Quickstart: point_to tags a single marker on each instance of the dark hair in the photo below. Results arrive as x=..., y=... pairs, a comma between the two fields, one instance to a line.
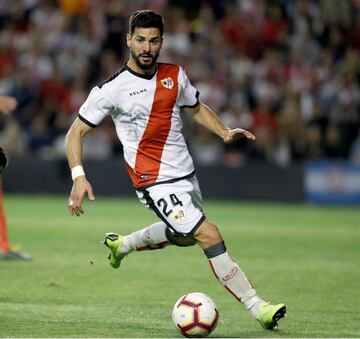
x=146, y=19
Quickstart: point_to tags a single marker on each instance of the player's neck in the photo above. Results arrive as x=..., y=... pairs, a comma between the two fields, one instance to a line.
x=134, y=67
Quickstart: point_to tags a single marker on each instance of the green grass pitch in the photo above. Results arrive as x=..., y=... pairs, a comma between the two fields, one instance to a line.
x=305, y=256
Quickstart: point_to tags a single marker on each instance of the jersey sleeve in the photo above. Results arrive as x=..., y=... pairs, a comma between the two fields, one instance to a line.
x=96, y=107
x=189, y=95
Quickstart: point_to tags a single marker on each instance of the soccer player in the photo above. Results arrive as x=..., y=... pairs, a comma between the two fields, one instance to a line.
x=7, y=104
x=144, y=99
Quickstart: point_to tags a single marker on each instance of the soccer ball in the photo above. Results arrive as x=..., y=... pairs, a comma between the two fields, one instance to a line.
x=195, y=315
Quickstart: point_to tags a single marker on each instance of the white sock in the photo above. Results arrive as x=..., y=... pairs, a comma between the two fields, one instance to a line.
x=235, y=281
x=149, y=238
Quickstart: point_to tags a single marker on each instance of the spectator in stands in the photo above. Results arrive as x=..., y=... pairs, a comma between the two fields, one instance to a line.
x=305, y=48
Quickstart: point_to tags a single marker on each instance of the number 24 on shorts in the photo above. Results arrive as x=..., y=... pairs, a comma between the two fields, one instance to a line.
x=162, y=203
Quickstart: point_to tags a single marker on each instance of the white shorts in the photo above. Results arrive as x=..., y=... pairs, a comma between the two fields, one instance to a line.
x=178, y=204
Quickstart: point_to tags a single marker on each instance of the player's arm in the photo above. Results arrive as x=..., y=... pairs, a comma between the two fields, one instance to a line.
x=73, y=147
x=7, y=104
x=206, y=117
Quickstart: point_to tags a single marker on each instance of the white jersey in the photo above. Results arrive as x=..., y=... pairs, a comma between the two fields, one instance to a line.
x=146, y=114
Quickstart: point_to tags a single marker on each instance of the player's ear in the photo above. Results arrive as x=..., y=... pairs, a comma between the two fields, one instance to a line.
x=128, y=39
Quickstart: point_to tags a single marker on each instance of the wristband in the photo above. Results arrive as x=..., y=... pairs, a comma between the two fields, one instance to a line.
x=77, y=171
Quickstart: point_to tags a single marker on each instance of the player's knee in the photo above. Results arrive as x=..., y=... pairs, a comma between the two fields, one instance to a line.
x=207, y=235
x=179, y=239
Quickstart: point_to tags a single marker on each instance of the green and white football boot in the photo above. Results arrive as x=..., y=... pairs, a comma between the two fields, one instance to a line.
x=270, y=314
x=113, y=242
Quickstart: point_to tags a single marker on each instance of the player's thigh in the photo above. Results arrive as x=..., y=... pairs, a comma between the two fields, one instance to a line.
x=179, y=212
x=175, y=205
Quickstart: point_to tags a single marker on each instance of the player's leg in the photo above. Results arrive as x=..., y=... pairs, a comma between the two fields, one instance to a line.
x=4, y=244
x=225, y=268
x=173, y=205
x=5, y=250
x=152, y=237
x=232, y=277
x=149, y=238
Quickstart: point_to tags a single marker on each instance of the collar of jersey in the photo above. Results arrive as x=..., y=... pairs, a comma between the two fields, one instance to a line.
x=147, y=77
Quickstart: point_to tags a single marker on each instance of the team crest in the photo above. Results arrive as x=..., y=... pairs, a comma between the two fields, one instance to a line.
x=167, y=83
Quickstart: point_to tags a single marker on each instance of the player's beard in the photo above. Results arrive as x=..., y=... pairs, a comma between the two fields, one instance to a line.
x=144, y=66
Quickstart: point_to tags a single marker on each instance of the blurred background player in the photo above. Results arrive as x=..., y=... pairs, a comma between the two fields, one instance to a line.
x=144, y=99
x=7, y=104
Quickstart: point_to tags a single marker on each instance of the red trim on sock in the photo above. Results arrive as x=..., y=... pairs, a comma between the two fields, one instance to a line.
x=158, y=246
x=213, y=269
x=239, y=299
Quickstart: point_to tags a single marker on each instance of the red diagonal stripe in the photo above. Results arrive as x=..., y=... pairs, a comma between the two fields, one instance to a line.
x=151, y=146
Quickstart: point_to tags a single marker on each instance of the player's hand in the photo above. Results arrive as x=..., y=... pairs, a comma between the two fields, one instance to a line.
x=7, y=104
x=237, y=133
x=80, y=188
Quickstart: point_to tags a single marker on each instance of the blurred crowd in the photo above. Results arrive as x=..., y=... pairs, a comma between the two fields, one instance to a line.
x=288, y=70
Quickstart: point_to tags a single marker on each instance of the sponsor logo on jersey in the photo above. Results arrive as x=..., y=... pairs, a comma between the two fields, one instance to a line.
x=230, y=275
x=167, y=83
x=137, y=92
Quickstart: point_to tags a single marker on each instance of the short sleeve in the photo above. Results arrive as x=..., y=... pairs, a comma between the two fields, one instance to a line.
x=96, y=107
x=189, y=95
